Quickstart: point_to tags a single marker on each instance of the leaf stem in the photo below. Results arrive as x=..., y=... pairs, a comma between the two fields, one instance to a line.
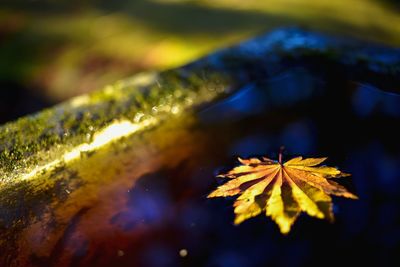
x=281, y=154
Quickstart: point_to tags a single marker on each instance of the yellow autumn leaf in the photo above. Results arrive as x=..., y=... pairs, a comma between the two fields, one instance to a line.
x=282, y=190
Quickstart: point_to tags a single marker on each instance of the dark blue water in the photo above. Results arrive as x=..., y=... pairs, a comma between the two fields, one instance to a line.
x=163, y=218
x=353, y=123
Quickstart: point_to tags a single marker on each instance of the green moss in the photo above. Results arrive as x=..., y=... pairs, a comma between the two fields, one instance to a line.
x=45, y=136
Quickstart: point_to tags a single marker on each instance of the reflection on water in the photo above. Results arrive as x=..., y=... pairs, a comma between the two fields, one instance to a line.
x=143, y=201
x=368, y=100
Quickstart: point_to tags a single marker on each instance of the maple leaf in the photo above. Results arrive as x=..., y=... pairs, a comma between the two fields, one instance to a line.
x=282, y=190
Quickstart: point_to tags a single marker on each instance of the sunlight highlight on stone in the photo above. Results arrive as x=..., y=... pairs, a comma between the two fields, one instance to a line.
x=111, y=133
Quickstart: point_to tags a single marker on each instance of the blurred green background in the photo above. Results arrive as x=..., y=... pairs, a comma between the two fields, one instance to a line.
x=51, y=50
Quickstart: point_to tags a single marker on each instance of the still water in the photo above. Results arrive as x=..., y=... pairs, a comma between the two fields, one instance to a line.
x=142, y=201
